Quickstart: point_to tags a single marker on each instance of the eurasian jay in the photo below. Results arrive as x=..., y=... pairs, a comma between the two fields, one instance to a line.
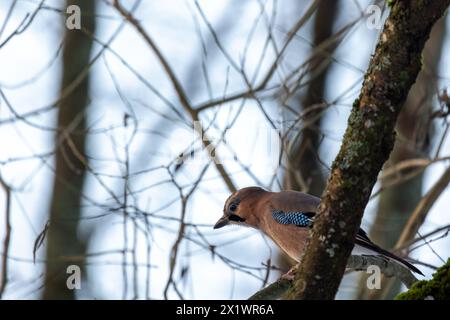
x=285, y=217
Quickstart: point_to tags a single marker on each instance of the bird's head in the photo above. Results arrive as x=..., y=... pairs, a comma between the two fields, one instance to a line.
x=239, y=208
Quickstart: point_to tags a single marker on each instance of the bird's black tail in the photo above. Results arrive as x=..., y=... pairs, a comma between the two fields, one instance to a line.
x=363, y=240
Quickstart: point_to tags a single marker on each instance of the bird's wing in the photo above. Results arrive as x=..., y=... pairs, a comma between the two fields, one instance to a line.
x=298, y=218
x=306, y=219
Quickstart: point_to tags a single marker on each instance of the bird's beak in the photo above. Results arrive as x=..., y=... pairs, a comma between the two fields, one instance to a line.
x=222, y=222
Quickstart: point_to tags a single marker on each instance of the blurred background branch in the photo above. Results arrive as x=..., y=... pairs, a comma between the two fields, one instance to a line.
x=65, y=211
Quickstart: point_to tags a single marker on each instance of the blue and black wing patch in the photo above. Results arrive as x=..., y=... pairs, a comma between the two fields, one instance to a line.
x=300, y=219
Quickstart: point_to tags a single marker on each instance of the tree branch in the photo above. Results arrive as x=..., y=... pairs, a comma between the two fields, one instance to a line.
x=355, y=263
x=437, y=288
x=367, y=143
x=181, y=94
x=422, y=209
x=417, y=218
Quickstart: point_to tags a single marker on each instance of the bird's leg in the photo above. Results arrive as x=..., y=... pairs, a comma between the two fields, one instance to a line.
x=290, y=275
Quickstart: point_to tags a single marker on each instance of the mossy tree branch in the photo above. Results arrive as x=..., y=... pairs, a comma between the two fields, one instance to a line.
x=356, y=263
x=437, y=288
x=367, y=143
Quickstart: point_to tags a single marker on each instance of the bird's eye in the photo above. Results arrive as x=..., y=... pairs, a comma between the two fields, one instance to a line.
x=233, y=207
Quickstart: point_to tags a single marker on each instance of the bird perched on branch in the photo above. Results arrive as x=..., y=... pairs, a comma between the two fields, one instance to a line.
x=286, y=217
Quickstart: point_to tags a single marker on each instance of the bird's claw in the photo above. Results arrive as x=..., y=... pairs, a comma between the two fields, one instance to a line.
x=290, y=275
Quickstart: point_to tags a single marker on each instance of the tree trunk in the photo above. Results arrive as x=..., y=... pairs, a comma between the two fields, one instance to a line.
x=63, y=240
x=303, y=158
x=396, y=203
x=367, y=143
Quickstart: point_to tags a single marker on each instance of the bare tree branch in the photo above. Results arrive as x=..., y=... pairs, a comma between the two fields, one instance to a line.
x=182, y=97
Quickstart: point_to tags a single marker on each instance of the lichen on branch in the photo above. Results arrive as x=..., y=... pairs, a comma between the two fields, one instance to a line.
x=367, y=143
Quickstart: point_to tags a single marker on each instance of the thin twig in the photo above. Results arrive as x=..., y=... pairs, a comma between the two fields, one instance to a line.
x=182, y=97
x=418, y=216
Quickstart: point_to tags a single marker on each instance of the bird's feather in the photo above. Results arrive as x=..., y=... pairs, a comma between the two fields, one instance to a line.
x=300, y=219
x=306, y=219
